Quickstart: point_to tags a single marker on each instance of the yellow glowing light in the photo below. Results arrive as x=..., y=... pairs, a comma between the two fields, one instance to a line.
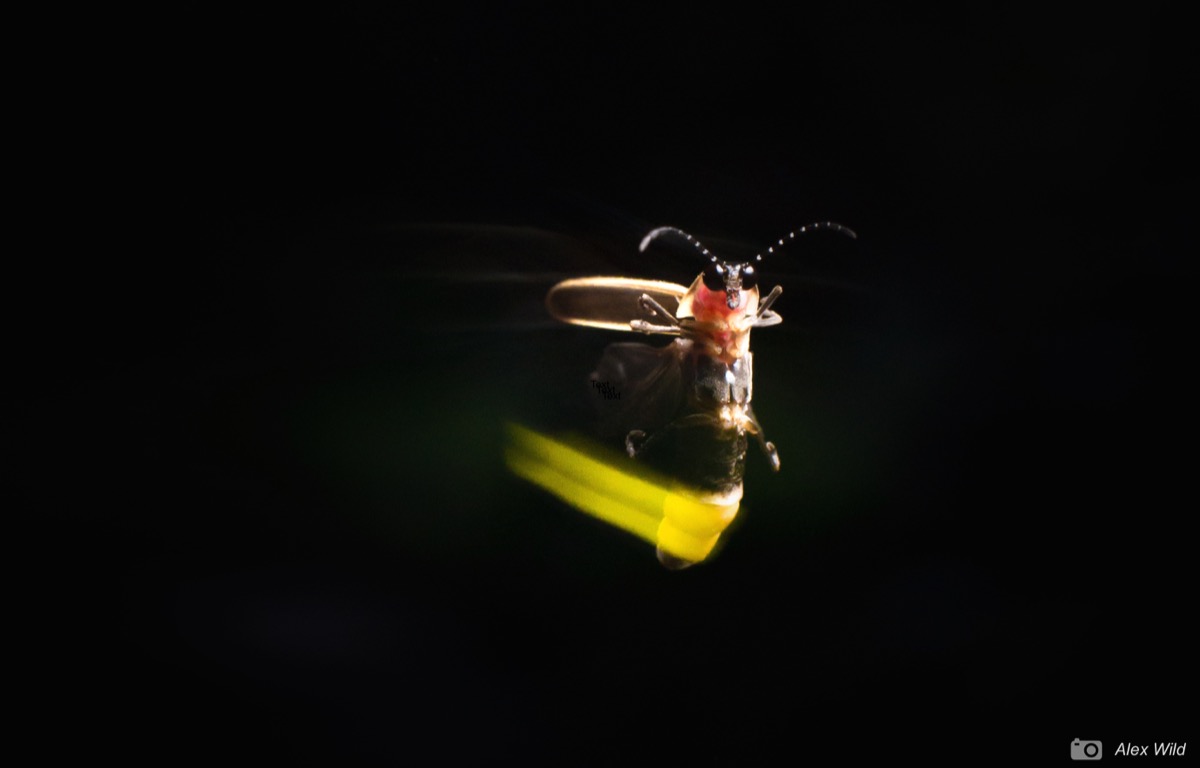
x=681, y=522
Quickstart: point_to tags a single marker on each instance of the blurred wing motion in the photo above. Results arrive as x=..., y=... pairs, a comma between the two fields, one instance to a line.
x=609, y=302
x=684, y=524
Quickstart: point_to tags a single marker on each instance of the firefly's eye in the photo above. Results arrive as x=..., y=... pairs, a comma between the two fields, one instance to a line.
x=749, y=277
x=714, y=277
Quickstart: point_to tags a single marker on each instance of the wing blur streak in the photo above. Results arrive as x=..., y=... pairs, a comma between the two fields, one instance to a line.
x=609, y=302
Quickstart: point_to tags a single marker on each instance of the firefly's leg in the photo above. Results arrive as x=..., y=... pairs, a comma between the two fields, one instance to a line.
x=766, y=303
x=641, y=326
x=768, y=448
x=654, y=309
x=637, y=440
x=765, y=316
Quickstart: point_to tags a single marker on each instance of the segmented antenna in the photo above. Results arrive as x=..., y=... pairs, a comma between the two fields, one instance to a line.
x=808, y=228
x=654, y=233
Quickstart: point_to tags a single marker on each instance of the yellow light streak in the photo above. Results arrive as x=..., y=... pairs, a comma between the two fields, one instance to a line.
x=679, y=521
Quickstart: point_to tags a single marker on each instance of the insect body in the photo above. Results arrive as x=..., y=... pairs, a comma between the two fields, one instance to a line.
x=685, y=408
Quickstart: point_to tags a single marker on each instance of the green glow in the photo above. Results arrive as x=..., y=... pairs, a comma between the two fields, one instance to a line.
x=679, y=521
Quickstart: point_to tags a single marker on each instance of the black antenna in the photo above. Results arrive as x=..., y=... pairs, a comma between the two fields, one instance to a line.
x=807, y=228
x=654, y=233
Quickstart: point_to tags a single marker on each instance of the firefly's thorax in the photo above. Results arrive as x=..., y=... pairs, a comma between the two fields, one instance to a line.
x=724, y=301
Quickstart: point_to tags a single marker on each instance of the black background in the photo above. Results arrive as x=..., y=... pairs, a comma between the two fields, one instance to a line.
x=292, y=292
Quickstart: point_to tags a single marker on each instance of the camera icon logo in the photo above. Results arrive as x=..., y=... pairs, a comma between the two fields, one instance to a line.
x=1086, y=750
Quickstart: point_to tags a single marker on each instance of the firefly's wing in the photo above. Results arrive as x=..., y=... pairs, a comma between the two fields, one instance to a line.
x=609, y=302
x=646, y=385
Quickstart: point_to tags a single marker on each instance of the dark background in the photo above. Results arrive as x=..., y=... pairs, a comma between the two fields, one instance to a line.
x=295, y=292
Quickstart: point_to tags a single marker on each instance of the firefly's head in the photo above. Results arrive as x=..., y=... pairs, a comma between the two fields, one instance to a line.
x=731, y=277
